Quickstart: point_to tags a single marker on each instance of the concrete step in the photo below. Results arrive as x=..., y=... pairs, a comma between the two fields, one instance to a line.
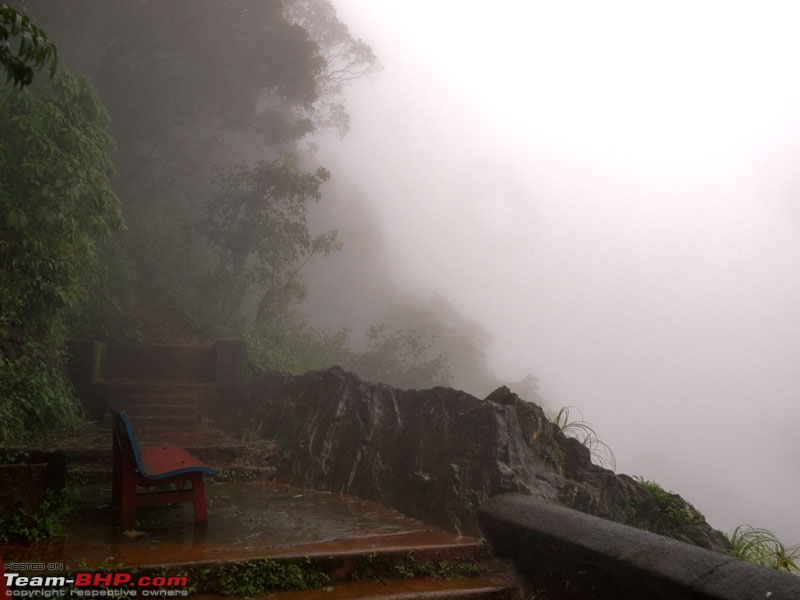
x=160, y=362
x=176, y=408
x=412, y=569
x=479, y=588
x=161, y=401
x=495, y=582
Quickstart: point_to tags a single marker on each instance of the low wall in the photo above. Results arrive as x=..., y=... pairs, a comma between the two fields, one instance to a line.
x=574, y=555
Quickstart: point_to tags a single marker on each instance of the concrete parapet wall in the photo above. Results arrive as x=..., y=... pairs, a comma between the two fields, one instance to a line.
x=577, y=555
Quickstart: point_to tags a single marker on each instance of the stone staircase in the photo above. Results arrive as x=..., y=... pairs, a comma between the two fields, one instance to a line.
x=405, y=575
x=175, y=384
x=418, y=564
x=169, y=401
x=173, y=394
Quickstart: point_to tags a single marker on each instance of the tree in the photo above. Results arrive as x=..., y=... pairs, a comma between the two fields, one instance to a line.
x=56, y=202
x=202, y=68
x=290, y=344
x=397, y=357
x=346, y=58
x=403, y=358
x=34, y=50
x=258, y=224
x=462, y=341
x=214, y=80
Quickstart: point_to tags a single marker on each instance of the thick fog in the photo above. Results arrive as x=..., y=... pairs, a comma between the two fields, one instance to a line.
x=612, y=190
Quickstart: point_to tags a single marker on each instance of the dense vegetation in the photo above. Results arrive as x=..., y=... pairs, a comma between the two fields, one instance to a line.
x=169, y=195
x=56, y=203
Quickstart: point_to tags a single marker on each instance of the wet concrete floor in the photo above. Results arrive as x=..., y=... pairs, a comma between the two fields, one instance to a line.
x=246, y=520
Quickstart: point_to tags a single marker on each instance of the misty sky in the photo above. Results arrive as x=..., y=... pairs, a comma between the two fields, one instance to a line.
x=613, y=191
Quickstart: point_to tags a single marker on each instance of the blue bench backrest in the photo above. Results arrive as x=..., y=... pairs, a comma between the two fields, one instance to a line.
x=126, y=437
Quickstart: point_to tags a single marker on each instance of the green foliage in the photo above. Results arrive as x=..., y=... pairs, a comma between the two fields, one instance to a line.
x=762, y=547
x=445, y=333
x=411, y=568
x=401, y=358
x=380, y=566
x=291, y=344
x=236, y=473
x=678, y=511
x=213, y=81
x=33, y=51
x=256, y=577
x=396, y=357
x=586, y=435
x=55, y=203
x=32, y=525
x=258, y=224
x=108, y=312
x=55, y=196
x=559, y=457
x=35, y=397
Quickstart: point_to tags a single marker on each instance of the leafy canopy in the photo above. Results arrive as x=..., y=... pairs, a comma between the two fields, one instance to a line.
x=215, y=83
x=55, y=204
x=33, y=50
x=403, y=358
x=55, y=196
x=258, y=223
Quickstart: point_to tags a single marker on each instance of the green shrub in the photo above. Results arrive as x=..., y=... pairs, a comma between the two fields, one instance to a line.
x=35, y=398
x=255, y=577
x=32, y=525
x=678, y=512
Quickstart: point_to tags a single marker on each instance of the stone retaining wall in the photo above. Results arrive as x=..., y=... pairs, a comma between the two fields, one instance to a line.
x=572, y=554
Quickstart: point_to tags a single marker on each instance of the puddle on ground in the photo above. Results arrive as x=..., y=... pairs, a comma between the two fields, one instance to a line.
x=246, y=520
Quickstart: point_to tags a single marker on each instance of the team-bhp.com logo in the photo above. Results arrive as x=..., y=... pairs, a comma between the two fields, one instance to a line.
x=85, y=584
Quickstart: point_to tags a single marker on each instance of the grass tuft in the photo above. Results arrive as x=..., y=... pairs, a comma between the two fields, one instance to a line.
x=762, y=547
x=602, y=454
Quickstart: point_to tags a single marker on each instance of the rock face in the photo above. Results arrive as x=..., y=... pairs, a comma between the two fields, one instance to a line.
x=438, y=454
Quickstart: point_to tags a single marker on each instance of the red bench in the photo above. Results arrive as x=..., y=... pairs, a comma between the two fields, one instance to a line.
x=155, y=467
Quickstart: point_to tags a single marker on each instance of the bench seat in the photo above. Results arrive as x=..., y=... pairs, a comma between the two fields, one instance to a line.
x=161, y=462
x=163, y=467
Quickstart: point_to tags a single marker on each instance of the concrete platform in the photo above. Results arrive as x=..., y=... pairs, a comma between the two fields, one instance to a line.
x=246, y=520
x=360, y=548
x=257, y=528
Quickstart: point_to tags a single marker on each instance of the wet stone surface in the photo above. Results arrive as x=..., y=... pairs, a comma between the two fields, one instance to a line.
x=246, y=520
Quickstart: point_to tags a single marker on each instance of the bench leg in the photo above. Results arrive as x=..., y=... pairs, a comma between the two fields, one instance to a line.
x=117, y=469
x=127, y=501
x=199, y=500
